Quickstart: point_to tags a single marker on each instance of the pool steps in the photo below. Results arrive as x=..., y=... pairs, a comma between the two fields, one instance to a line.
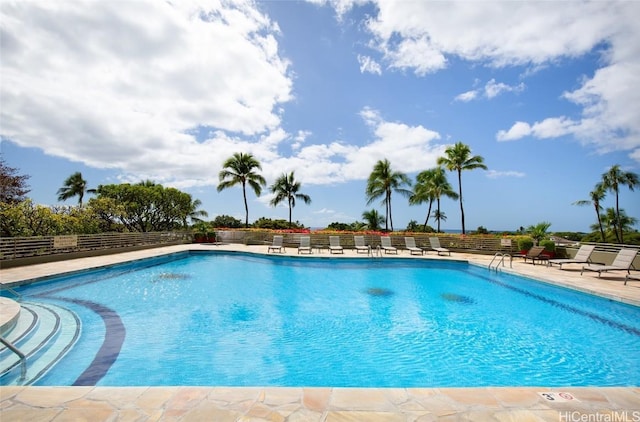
x=44, y=333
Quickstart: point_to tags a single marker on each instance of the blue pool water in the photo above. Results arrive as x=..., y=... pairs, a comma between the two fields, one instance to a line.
x=230, y=319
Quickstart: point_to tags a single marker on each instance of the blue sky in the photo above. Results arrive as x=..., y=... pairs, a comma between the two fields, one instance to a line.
x=546, y=92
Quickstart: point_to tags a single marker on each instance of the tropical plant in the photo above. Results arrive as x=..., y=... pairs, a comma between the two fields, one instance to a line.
x=596, y=196
x=611, y=180
x=539, y=231
x=617, y=221
x=74, y=185
x=459, y=158
x=373, y=219
x=439, y=216
x=431, y=185
x=13, y=187
x=382, y=182
x=239, y=169
x=287, y=189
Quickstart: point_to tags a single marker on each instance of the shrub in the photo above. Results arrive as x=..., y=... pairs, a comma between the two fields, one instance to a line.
x=525, y=243
x=549, y=245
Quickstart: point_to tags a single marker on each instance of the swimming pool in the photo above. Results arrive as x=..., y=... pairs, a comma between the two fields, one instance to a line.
x=233, y=319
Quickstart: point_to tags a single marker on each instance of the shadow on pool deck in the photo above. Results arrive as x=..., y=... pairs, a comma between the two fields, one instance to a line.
x=326, y=404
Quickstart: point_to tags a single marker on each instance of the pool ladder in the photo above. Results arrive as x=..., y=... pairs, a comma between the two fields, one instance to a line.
x=502, y=256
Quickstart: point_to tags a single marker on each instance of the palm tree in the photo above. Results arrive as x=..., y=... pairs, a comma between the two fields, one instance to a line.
x=616, y=224
x=432, y=185
x=612, y=180
x=373, y=219
x=194, y=213
x=539, y=231
x=75, y=185
x=459, y=158
x=240, y=169
x=439, y=216
x=596, y=195
x=382, y=181
x=286, y=188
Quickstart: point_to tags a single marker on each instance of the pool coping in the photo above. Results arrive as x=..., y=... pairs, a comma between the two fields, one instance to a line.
x=325, y=404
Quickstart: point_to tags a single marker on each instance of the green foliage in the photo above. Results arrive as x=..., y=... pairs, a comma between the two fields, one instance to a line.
x=226, y=221
x=414, y=227
x=27, y=219
x=539, y=231
x=279, y=224
x=339, y=226
x=148, y=206
x=482, y=230
x=240, y=169
x=286, y=188
x=549, y=245
x=13, y=187
x=525, y=243
x=382, y=182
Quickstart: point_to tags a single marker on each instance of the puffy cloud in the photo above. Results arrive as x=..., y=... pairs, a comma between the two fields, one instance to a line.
x=130, y=85
x=421, y=36
x=517, y=131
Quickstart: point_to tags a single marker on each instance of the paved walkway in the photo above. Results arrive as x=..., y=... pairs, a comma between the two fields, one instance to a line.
x=326, y=404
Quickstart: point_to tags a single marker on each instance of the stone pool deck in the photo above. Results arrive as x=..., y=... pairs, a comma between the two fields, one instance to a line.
x=327, y=404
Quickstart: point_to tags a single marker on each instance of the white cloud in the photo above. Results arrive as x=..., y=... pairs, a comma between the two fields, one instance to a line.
x=369, y=65
x=517, y=131
x=420, y=36
x=493, y=88
x=494, y=174
x=467, y=96
x=126, y=84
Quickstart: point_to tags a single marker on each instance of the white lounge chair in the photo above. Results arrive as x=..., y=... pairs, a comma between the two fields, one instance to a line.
x=435, y=245
x=276, y=245
x=385, y=244
x=359, y=245
x=334, y=245
x=583, y=256
x=623, y=261
x=305, y=245
x=410, y=243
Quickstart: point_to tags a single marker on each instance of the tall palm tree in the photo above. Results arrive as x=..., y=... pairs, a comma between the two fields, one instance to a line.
x=382, y=181
x=611, y=180
x=459, y=158
x=373, y=219
x=431, y=185
x=596, y=195
x=75, y=185
x=240, y=169
x=615, y=222
x=286, y=188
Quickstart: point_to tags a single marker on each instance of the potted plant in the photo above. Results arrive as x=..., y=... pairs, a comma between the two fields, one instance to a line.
x=524, y=244
x=549, y=247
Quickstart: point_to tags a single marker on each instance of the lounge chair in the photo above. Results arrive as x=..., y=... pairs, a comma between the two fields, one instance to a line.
x=410, y=243
x=623, y=261
x=276, y=245
x=385, y=244
x=535, y=254
x=305, y=245
x=583, y=256
x=334, y=245
x=435, y=245
x=358, y=241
